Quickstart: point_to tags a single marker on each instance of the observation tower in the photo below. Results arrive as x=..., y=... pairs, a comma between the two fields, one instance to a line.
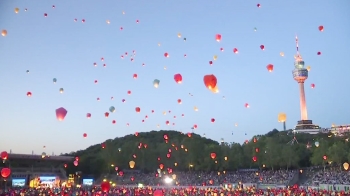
x=300, y=74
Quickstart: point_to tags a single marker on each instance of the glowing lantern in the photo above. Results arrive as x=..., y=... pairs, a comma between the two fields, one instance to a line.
x=132, y=164
x=165, y=137
x=75, y=163
x=168, y=155
x=61, y=90
x=256, y=149
x=212, y=120
x=320, y=28
x=156, y=83
x=54, y=80
x=174, y=176
x=84, y=135
x=221, y=49
x=121, y=173
x=282, y=54
x=179, y=101
x=136, y=134
x=29, y=94
x=308, y=68
x=4, y=155
x=282, y=117
x=262, y=47
x=312, y=85
x=235, y=50
x=210, y=62
x=137, y=109
x=195, y=126
x=5, y=172
x=269, y=67
x=116, y=168
x=112, y=109
x=134, y=76
x=16, y=10
x=225, y=158
x=61, y=113
x=317, y=144
x=106, y=114
x=166, y=55
x=215, y=89
x=210, y=81
x=258, y=5
x=45, y=14
x=319, y=53
x=161, y=166
x=246, y=105
x=88, y=115
x=346, y=166
x=215, y=57
x=255, y=158
x=179, y=35
x=324, y=157
x=218, y=37
x=103, y=145
x=105, y=186
x=178, y=78
x=129, y=92
x=213, y=155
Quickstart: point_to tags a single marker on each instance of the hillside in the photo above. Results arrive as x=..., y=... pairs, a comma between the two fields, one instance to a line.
x=190, y=151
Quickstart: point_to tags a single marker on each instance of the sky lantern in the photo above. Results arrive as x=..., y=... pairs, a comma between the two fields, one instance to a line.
x=135, y=76
x=179, y=101
x=258, y=5
x=84, y=135
x=178, y=78
x=4, y=32
x=282, y=117
x=317, y=144
x=129, y=92
x=75, y=163
x=167, y=122
x=131, y=164
x=210, y=63
x=156, y=83
x=218, y=37
x=221, y=49
x=106, y=114
x=29, y=94
x=136, y=134
x=123, y=100
x=282, y=54
x=103, y=145
x=166, y=55
x=4, y=155
x=312, y=85
x=256, y=149
x=189, y=134
x=212, y=120
x=246, y=105
x=262, y=47
x=213, y=155
x=61, y=113
x=54, y=80
x=114, y=121
x=105, y=186
x=235, y=50
x=254, y=158
x=346, y=166
x=45, y=15
x=61, y=90
x=179, y=35
x=16, y=10
x=215, y=57
x=269, y=67
x=137, y=109
x=210, y=81
x=215, y=89
x=319, y=53
x=83, y=20
x=320, y=28
x=161, y=166
x=5, y=172
x=166, y=137
x=88, y=115
x=112, y=109
x=324, y=157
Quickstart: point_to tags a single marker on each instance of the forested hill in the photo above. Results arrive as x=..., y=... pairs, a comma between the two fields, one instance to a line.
x=184, y=151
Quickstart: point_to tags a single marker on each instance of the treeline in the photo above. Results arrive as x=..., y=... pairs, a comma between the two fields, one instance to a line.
x=190, y=151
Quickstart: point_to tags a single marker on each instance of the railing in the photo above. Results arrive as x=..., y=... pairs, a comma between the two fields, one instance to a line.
x=22, y=169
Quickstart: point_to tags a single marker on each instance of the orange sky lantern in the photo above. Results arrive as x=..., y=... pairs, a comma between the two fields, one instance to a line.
x=132, y=164
x=178, y=78
x=210, y=81
x=161, y=166
x=137, y=109
x=213, y=155
x=269, y=67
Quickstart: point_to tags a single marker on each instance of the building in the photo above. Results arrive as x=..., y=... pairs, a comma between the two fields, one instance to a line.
x=300, y=74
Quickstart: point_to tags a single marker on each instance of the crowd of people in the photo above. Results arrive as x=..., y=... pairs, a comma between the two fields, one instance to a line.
x=186, y=191
x=334, y=175
x=280, y=177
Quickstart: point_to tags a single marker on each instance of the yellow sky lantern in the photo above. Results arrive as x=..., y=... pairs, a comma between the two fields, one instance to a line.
x=132, y=164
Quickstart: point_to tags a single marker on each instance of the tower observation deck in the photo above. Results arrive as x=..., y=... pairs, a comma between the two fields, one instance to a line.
x=300, y=74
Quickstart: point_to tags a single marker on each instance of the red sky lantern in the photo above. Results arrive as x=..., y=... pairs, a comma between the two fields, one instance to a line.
x=246, y=105
x=61, y=113
x=45, y=15
x=262, y=47
x=212, y=120
x=320, y=28
x=132, y=178
x=29, y=94
x=75, y=163
x=4, y=155
x=255, y=158
x=235, y=50
x=319, y=53
x=114, y=121
x=312, y=85
x=129, y=92
x=103, y=145
x=256, y=149
x=168, y=155
x=195, y=126
x=218, y=37
x=178, y=78
x=5, y=172
x=84, y=135
x=158, y=193
x=167, y=122
x=116, y=168
x=324, y=157
x=189, y=134
x=179, y=101
x=221, y=49
x=269, y=67
x=137, y=109
x=258, y=5
x=105, y=186
x=65, y=165
x=166, y=55
x=121, y=173
x=106, y=114
x=210, y=81
x=96, y=81
x=210, y=62
x=136, y=134
x=165, y=137
x=255, y=140
x=213, y=155
x=134, y=76
x=152, y=111
x=88, y=115
x=161, y=166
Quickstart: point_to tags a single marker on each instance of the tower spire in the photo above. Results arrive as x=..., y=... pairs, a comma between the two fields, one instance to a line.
x=297, y=57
